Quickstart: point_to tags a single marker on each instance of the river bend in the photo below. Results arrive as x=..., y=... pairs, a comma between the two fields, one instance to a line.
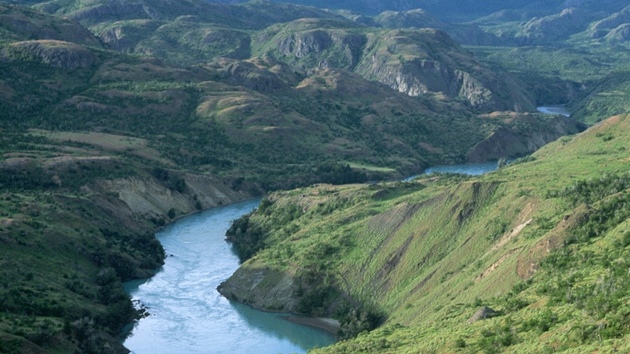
x=188, y=315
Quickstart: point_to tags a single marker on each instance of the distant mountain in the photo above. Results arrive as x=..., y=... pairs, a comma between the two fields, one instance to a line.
x=451, y=10
x=582, y=20
x=418, y=18
x=119, y=116
x=412, y=61
x=256, y=92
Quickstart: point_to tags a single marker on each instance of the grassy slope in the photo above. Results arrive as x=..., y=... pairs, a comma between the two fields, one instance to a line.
x=429, y=253
x=147, y=116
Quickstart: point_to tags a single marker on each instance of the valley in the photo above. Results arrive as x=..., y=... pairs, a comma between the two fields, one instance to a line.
x=120, y=117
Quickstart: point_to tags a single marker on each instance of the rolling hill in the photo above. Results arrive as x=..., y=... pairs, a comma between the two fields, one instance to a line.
x=119, y=117
x=541, y=242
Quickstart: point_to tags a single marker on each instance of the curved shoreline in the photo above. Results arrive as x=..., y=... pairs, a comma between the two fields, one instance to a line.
x=329, y=325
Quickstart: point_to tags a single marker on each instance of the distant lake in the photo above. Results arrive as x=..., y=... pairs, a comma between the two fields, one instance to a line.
x=554, y=110
x=189, y=316
x=472, y=169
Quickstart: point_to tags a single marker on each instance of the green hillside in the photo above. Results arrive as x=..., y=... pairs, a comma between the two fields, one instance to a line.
x=118, y=117
x=278, y=114
x=541, y=241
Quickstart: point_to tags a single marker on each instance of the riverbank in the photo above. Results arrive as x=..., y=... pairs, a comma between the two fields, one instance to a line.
x=188, y=317
x=329, y=325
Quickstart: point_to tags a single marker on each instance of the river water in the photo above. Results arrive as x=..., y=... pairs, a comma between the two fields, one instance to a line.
x=476, y=169
x=188, y=315
x=554, y=110
x=472, y=169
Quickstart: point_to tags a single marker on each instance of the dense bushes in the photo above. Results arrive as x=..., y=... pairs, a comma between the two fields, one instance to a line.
x=246, y=237
x=603, y=300
x=591, y=191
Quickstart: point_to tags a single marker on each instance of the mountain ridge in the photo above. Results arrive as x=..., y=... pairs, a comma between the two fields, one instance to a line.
x=136, y=113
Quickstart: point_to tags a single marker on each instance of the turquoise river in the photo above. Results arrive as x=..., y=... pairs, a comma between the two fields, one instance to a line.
x=188, y=315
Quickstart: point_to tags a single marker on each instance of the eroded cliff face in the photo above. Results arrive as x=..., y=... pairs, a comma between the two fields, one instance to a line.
x=430, y=62
x=413, y=61
x=420, y=77
x=262, y=288
x=152, y=199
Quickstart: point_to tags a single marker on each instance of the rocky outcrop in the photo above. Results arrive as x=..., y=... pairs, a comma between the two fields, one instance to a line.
x=430, y=62
x=413, y=61
x=261, y=288
x=314, y=47
x=482, y=314
x=302, y=44
x=553, y=28
x=419, y=77
x=153, y=198
x=620, y=34
x=58, y=54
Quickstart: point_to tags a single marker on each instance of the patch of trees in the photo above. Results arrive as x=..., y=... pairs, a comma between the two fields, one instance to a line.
x=172, y=181
x=290, y=177
x=590, y=191
x=33, y=178
x=315, y=291
x=335, y=173
x=126, y=253
x=318, y=295
x=604, y=300
x=246, y=237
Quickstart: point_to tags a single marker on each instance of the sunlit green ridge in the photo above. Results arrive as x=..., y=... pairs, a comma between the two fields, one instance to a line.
x=117, y=117
x=426, y=255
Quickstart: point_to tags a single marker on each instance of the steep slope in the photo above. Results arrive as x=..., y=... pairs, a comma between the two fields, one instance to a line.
x=450, y=10
x=418, y=18
x=100, y=148
x=414, y=62
x=607, y=96
x=262, y=111
x=19, y=23
x=423, y=256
